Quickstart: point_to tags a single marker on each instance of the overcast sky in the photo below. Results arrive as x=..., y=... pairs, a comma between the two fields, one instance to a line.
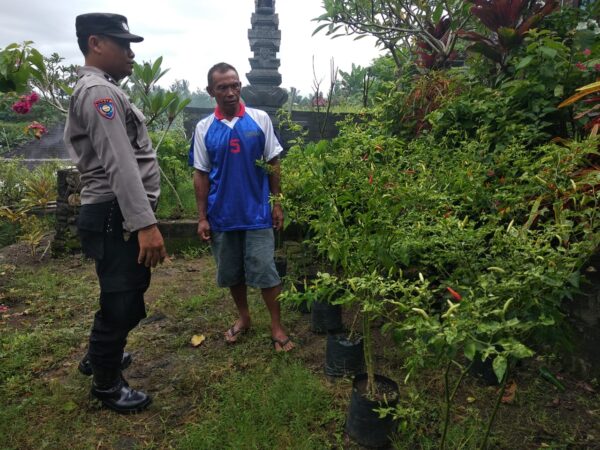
x=191, y=35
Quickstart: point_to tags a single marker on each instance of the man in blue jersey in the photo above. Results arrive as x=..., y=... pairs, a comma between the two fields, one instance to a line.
x=232, y=193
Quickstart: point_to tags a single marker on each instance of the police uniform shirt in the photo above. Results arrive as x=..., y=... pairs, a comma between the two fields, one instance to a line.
x=108, y=141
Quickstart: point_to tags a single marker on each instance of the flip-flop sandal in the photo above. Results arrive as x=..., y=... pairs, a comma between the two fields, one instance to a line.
x=282, y=344
x=232, y=333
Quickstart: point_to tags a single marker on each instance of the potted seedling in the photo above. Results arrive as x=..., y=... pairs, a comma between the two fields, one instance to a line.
x=301, y=274
x=371, y=392
x=326, y=308
x=344, y=352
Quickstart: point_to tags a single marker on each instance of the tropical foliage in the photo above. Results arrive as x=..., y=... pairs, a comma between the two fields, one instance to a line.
x=461, y=211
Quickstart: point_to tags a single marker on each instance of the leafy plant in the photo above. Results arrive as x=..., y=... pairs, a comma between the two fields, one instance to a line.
x=429, y=57
x=401, y=222
x=156, y=103
x=591, y=114
x=508, y=21
x=21, y=194
x=32, y=229
x=16, y=62
x=54, y=80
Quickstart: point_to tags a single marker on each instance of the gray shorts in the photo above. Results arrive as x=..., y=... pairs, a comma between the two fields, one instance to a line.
x=245, y=256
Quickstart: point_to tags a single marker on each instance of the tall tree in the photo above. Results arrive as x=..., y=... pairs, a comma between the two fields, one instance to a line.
x=182, y=87
x=201, y=99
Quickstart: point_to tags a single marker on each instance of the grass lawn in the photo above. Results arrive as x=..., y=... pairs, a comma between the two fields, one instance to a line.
x=218, y=396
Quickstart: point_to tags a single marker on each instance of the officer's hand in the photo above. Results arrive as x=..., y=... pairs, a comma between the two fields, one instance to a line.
x=152, y=246
x=204, y=230
x=277, y=216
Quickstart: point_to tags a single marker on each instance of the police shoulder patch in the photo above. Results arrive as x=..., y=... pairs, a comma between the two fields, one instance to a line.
x=106, y=107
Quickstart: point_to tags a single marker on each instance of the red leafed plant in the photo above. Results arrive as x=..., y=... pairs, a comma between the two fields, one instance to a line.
x=592, y=114
x=508, y=21
x=428, y=56
x=429, y=92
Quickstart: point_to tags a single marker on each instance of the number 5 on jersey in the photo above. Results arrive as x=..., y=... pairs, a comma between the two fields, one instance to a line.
x=234, y=145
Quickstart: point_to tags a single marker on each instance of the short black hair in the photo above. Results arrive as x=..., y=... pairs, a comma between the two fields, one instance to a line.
x=219, y=67
x=83, y=45
x=83, y=42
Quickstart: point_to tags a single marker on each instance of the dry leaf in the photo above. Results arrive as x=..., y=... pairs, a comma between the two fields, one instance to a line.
x=586, y=387
x=197, y=340
x=509, y=393
x=471, y=399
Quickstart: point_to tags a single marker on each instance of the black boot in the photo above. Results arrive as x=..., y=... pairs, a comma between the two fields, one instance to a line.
x=114, y=392
x=85, y=367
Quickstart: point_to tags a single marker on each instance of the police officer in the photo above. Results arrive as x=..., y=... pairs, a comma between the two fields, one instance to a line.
x=108, y=141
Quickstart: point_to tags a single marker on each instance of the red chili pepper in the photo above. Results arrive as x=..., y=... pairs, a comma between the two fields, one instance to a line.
x=454, y=294
x=371, y=179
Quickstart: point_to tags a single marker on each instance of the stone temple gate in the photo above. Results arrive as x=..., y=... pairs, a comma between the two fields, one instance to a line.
x=265, y=38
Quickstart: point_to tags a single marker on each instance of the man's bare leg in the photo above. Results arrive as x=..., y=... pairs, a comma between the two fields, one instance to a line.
x=277, y=332
x=240, y=297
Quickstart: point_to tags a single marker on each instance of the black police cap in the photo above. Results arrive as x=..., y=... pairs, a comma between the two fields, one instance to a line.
x=114, y=25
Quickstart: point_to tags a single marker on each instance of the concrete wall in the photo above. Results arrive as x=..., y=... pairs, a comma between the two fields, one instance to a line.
x=52, y=147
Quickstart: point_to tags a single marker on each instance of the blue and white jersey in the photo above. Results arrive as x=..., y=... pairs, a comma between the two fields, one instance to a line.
x=228, y=151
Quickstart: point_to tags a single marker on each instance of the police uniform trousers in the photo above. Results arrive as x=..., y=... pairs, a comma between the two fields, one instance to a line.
x=122, y=280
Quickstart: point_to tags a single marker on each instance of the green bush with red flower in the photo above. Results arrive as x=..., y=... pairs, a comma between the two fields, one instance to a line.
x=463, y=252
x=465, y=236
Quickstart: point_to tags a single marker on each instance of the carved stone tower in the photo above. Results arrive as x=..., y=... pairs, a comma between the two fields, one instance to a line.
x=265, y=37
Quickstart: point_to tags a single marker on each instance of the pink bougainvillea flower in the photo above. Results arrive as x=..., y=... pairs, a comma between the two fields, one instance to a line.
x=21, y=107
x=587, y=52
x=33, y=97
x=37, y=129
x=454, y=294
x=597, y=67
x=580, y=66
